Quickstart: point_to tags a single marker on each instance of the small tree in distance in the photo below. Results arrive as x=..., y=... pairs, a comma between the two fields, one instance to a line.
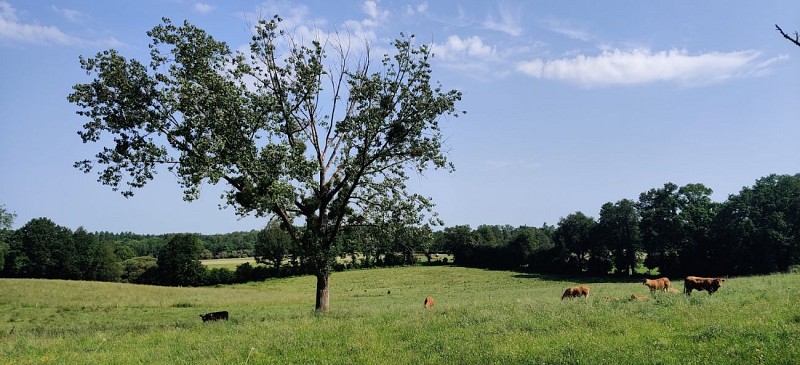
x=291, y=133
x=272, y=245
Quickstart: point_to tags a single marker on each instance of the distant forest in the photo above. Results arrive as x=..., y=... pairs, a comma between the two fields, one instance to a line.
x=671, y=230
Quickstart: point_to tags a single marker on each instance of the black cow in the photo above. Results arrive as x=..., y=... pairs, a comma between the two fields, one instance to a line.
x=214, y=316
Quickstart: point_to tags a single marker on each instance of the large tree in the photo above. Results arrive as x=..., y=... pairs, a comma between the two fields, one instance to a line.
x=179, y=261
x=42, y=249
x=758, y=230
x=573, y=237
x=676, y=227
x=292, y=132
x=618, y=230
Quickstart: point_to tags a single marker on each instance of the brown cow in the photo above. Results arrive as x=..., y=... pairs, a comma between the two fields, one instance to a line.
x=673, y=291
x=697, y=283
x=428, y=302
x=576, y=291
x=657, y=284
x=638, y=297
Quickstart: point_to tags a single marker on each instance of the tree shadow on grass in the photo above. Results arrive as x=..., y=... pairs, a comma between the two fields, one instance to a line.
x=579, y=278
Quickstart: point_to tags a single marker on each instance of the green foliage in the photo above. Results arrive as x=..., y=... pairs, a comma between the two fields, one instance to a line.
x=618, y=231
x=139, y=270
x=42, y=249
x=6, y=218
x=179, y=261
x=758, y=230
x=290, y=133
x=273, y=245
x=575, y=242
x=676, y=227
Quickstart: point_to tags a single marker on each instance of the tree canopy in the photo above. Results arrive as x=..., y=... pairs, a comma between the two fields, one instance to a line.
x=290, y=132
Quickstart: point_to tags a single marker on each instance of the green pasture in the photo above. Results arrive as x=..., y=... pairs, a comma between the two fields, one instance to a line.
x=377, y=317
x=230, y=263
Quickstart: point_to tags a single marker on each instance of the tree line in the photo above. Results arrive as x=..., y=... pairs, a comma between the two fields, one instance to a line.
x=43, y=249
x=672, y=230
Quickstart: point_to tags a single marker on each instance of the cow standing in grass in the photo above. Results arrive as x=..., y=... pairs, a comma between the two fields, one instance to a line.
x=657, y=284
x=576, y=291
x=697, y=283
x=428, y=302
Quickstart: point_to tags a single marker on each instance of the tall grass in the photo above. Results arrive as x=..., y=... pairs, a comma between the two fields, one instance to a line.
x=377, y=317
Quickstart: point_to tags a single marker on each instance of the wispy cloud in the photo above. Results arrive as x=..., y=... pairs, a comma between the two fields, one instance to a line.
x=568, y=30
x=70, y=14
x=420, y=8
x=12, y=29
x=640, y=66
x=507, y=22
x=203, y=8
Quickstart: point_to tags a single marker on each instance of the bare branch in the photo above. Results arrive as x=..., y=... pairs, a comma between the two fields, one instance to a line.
x=795, y=40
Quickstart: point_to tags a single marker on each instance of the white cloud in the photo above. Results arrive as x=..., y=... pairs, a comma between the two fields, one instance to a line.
x=568, y=30
x=71, y=15
x=203, y=8
x=421, y=8
x=508, y=22
x=640, y=66
x=456, y=48
x=11, y=29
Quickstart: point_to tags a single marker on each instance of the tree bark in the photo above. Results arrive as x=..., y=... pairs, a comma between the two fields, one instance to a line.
x=323, y=292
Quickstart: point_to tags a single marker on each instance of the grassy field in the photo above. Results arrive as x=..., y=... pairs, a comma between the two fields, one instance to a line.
x=377, y=317
x=228, y=263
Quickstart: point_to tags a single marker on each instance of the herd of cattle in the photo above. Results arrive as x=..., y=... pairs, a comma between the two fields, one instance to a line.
x=710, y=285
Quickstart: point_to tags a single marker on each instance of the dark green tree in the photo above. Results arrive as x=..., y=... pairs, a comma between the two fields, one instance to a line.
x=273, y=245
x=95, y=259
x=618, y=230
x=179, y=261
x=697, y=214
x=661, y=227
x=6, y=223
x=42, y=249
x=573, y=240
x=758, y=230
x=526, y=241
x=291, y=131
x=676, y=227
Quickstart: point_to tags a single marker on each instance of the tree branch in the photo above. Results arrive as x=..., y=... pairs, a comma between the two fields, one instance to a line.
x=795, y=40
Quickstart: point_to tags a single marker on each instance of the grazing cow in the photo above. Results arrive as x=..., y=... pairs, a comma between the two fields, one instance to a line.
x=697, y=283
x=638, y=297
x=657, y=284
x=576, y=291
x=214, y=316
x=428, y=302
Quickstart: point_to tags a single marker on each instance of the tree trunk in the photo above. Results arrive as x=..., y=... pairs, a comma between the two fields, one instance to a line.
x=323, y=292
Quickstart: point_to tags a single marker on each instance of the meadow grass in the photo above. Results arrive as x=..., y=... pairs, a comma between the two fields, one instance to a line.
x=377, y=317
x=230, y=263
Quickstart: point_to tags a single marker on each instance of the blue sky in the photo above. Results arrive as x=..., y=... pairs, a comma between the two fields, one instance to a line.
x=569, y=104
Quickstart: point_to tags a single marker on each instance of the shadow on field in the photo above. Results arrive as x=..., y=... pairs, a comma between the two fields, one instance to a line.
x=581, y=279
